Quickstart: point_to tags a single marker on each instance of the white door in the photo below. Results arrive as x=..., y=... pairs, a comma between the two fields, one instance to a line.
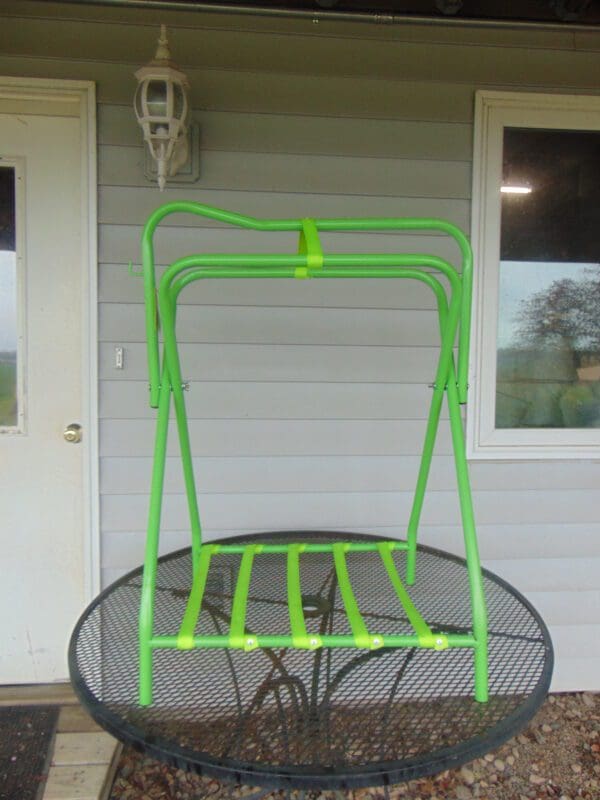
x=44, y=479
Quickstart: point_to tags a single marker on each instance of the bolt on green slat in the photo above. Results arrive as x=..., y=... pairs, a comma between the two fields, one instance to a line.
x=421, y=628
x=362, y=637
x=238, y=638
x=300, y=637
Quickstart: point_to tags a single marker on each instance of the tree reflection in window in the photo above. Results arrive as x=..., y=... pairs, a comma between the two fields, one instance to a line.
x=549, y=349
x=548, y=357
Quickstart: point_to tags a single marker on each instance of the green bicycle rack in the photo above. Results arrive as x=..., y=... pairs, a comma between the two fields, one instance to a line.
x=454, y=309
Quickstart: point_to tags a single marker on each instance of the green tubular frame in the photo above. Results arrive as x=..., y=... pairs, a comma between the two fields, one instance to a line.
x=454, y=311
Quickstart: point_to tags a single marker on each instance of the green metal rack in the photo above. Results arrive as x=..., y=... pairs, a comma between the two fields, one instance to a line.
x=454, y=309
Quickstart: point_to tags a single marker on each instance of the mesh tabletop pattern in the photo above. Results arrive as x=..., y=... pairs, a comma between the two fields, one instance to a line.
x=328, y=717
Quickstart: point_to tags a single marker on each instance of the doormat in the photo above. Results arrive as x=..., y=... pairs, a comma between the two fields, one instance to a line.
x=26, y=736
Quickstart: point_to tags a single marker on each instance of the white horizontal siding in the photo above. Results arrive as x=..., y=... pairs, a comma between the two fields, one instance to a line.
x=282, y=326
x=576, y=674
x=275, y=92
x=238, y=437
x=315, y=174
x=120, y=242
x=308, y=399
x=248, y=132
x=358, y=473
x=280, y=362
x=122, y=549
x=302, y=509
x=275, y=399
x=132, y=205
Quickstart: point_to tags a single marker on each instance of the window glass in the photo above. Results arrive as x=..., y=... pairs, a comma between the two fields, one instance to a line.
x=8, y=301
x=548, y=336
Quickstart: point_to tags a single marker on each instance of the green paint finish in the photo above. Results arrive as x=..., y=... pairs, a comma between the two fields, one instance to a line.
x=310, y=246
x=449, y=384
x=362, y=638
x=238, y=637
x=185, y=639
x=327, y=640
x=422, y=629
x=300, y=637
x=310, y=547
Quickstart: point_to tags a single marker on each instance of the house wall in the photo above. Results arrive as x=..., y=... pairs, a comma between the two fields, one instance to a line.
x=308, y=400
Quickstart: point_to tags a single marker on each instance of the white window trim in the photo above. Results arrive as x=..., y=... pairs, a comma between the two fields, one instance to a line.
x=493, y=112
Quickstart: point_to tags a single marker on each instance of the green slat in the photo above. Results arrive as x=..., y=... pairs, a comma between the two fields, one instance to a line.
x=362, y=637
x=237, y=629
x=185, y=638
x=426, y=637
x=300, y=636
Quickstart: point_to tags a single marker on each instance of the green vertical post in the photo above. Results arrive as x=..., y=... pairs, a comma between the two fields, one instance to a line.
x=167, y=309
x=146, y=619
x=478, y=606
x=423, y=475
x=448, y=319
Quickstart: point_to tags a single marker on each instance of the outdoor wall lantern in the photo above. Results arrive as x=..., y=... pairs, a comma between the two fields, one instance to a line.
x=161, y=107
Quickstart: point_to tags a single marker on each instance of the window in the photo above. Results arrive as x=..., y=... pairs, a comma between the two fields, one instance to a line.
x=11, y=411
x=535, y=378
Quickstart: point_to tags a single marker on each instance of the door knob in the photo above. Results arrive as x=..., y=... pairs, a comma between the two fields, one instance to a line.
x=72, y=433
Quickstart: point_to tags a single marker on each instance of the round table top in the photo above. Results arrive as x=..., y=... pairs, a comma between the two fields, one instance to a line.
x=329, y=718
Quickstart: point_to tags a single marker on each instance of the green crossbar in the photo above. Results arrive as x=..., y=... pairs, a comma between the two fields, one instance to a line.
x=310, y=547
x=453, y=301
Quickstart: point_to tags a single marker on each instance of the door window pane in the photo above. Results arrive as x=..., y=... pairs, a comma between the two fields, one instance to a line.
x=8, y=301
x=548, y=338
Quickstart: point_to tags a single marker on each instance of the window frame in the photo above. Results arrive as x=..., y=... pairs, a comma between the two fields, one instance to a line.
x=495, y=111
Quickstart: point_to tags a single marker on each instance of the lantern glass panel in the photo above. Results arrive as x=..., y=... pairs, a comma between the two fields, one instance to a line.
x=138, y=101
x=179, y=102
x=156, y=98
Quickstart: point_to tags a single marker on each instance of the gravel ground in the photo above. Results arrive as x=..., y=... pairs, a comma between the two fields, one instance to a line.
x=556, y=756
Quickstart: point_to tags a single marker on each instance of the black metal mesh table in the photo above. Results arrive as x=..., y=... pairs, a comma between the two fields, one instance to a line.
x=327, y=718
